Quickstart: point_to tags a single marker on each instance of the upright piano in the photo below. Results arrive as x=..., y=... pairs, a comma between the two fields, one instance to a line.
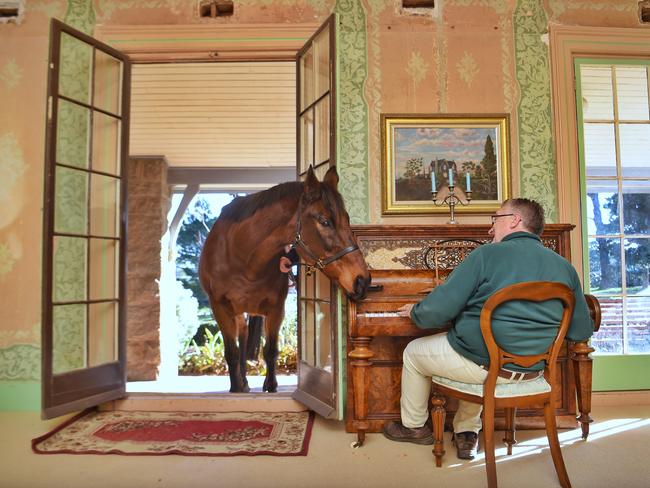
x=400, y=258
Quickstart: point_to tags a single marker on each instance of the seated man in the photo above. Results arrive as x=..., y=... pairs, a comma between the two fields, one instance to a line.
x=515, y=255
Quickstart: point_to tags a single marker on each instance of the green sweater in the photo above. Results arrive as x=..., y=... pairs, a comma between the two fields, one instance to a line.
x=520, y=327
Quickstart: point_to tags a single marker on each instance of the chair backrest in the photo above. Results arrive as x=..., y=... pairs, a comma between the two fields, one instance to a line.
x=535, y=291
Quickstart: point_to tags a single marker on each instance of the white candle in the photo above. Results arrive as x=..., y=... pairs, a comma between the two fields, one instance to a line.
x=433, y=181
x=467, y=184
x=451, y=178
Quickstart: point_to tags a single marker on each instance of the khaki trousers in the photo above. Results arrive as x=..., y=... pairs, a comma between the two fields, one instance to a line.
x=433, y=355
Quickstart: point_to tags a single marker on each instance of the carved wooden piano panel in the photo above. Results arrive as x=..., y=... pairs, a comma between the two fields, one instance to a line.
x=377, y=337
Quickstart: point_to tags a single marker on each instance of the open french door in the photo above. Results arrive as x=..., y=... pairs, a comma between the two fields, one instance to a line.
x=318, y=323
x=84, y=224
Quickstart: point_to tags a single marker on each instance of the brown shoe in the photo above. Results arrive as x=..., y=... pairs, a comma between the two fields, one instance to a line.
x=395, y=431
x=466, y=444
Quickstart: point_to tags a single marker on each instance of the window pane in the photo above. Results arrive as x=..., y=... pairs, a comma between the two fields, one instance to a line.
x=106, y=144
x=605, y=266
x=636, y=207
x=68, y=338
x=72, y=134
x=602, y=207
x=322, y=286
x=635, y=149
x=102, y=333
x=71, y=201
x=637, y=265
x=103, y=269
x=306, y=140
x=307, y=78
x=632, y=92
x=75, y=68
x=322, y=48
x=600, y=150
x=308, y=331
x=322, y=137
x=637, y=315
x=69, y=269
x=104, y=206
x=609, y=337
x=323, y=339
x=108, y=82
x=597, y=97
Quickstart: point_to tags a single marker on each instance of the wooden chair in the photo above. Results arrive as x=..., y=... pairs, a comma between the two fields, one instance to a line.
x=532, y=393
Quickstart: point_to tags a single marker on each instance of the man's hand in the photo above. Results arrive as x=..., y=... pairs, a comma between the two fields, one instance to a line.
x=285, y=264
x=405, y=310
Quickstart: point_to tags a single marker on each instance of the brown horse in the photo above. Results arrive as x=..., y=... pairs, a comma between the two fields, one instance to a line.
x=240, y=261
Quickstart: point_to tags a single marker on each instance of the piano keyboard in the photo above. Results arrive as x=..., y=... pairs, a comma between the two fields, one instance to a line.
x=379, y=314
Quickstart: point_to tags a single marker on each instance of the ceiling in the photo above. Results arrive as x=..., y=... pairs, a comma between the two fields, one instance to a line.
x=223, y=115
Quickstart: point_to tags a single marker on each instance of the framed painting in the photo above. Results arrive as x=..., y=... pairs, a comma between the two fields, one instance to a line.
x=426, y=153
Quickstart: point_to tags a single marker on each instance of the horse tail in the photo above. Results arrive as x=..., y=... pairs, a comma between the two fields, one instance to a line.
x=255, y=323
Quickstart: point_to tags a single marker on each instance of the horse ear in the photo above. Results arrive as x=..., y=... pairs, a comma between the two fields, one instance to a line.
x=311, y=182
x=332, y=178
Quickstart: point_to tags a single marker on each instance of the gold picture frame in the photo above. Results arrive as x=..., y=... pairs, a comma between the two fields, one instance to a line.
x=417, y=146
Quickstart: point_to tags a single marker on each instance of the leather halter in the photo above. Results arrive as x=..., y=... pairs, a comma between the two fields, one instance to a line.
x=319, y=263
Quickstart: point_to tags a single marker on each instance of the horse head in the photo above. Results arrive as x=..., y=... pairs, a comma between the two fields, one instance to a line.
x=324, y=238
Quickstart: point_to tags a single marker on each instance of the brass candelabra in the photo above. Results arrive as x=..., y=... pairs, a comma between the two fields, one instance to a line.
x=451, y=200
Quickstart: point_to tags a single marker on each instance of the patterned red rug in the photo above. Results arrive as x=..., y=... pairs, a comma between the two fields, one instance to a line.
x=182, y=433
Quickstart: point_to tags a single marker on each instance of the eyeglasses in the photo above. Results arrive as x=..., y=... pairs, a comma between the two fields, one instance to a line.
x=496, y=216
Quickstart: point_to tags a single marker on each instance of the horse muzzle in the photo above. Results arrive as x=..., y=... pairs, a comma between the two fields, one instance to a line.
x=361, y=284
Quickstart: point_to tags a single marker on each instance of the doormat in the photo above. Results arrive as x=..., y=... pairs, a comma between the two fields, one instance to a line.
x=181, y=433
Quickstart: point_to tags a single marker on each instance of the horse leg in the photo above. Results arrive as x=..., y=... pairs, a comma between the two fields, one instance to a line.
x=242, y=329
x=272, y=324
x=230, y=326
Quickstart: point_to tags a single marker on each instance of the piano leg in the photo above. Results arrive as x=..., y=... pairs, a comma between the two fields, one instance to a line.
x=361, y=355
x=582, y=370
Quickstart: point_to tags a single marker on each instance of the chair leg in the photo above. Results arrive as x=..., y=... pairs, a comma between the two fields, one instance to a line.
x=554, y=444
x=510, y=428
x=488, y=448
x=438, y=414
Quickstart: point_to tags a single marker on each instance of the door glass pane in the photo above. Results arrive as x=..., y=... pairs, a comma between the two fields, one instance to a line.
x=108, y=82
x=637, y=265
x=69, y=269
x=103, y=269
x=602, y=207
x=306, y=140
x=308, y=331
x=636, y=207
x=323, y=336
x=597, y=95
x=635, y=149
x=322, y=130
x=102, y=333
x=75, y=68
x=609, y=338
x=600, y=150
x=104, y=206
x=322, y=75
x=605, y=266
x=68, y=338
x=72, y=134
x=71, y=201
x=106, y=144
x=637, y=316
x=307, y=78
x=632, y=92
x=322, y=286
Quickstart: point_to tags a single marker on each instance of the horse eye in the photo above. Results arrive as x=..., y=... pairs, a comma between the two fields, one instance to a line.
x=324, y=222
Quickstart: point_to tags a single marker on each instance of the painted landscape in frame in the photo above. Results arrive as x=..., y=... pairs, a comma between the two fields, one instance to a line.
x=421, y=152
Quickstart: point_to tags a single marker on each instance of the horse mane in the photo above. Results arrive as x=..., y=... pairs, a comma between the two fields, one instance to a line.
x=244, y=207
